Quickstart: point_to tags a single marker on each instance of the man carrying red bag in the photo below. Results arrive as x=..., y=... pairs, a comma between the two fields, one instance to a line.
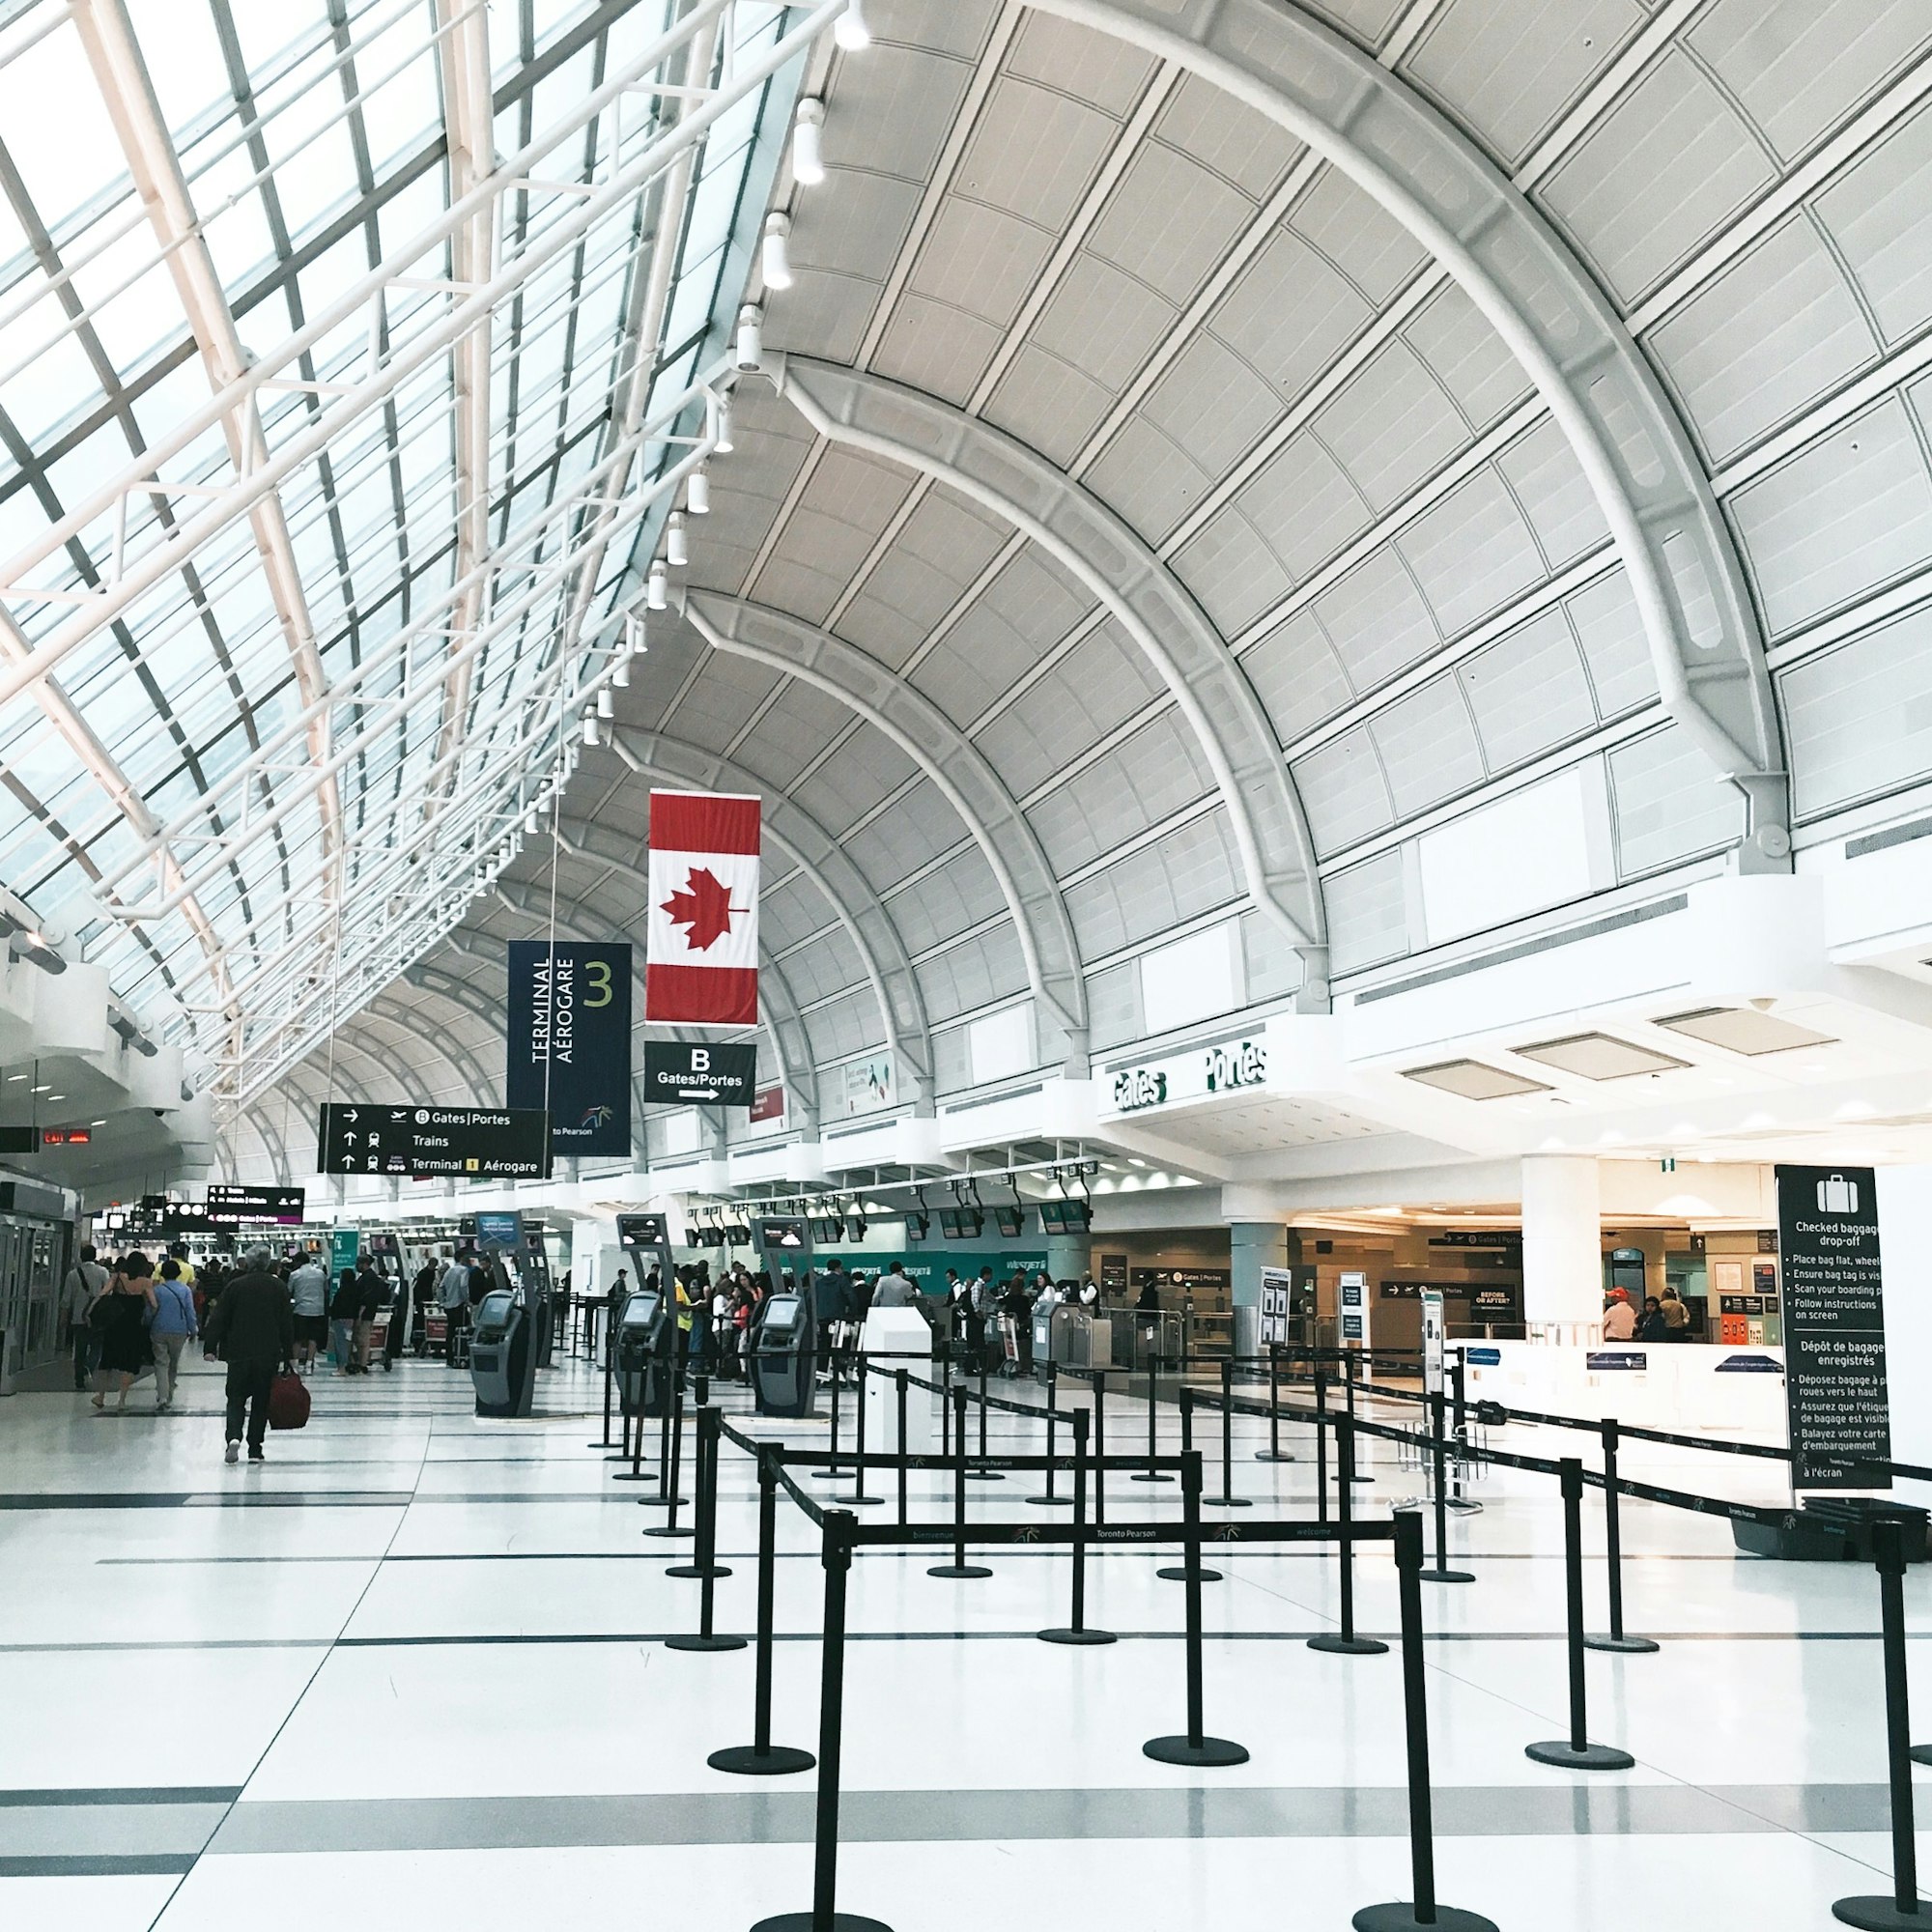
x=253, y=1330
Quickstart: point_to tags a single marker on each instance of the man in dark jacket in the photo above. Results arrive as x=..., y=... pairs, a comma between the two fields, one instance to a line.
x=372, y=1296
x=252, y=1328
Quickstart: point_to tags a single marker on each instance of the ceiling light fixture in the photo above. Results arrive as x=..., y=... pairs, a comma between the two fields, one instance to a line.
x=656, y=594
x=677, y=551
x=807, y=151
x=851, y=32
x=697, y=492
x=531, y=821
x=590, y=728
x=607, y=706
x=621, y=672
x=721, y=426
x=750, y=337
x=777, y=256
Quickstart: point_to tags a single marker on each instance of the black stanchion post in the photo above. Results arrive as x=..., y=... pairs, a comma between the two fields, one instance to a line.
x=1439, y=1572
x=761, y=1758
x=1075, y=1630
x=1197, y=1748
x=825, y=1916
x=1354, y=1474
x=1228, y=1499
x=831, y=1471
x=610, y=1375
x=634, y=1440
x=982, y=1475
x=900, y=1402
x=1274, y=1452
x=1577, y=1752
x=669, y=1525
x=959, y=1568
x=1613, y=1552
x=1458, y=1405
x=945, y=1410
x=1874, y=1911
x=1051, y=1499
x=1343, y=1642
x=859, y=1495
x=1320, y=1442
x=1099, y=1446
x=1151, y=1475
x=1189, y=1566
x=1422, y=1913
x=707, y=1568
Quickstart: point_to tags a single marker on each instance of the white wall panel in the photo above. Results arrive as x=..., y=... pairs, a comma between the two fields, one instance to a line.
x=1195, y=979
x=1668, y=804
x=1859, y=718
x=1342, y=791
x=1390, y=426
x=1517, y=856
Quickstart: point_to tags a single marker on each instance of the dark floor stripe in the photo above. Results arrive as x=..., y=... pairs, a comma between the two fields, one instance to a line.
x=122, y=1794
x=98, y=1865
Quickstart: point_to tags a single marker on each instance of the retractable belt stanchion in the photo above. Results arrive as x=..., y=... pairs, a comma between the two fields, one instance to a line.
x=900, y=1403
x=1050, y=1500
x=1228, y=1499
x=1189, y=1568
x=1274, y=1452
x=707, y=1566
x=674, y=1473
x=1099, y=1446
x=1439, y=1572
x=1075, y=1630
x=761, y=1758
x=1422, y=1913
x=1197, y=1748
x=825, y=1916
x=1577, y=1752
x=634, y=1444
x=1343, y=1642
x=1151, y=1475
x=610, y=1375
x=1352, y=1473
x=1321, y=1443
x=858, y=1495
x=1459, y=1405
x=982, y=1475
x=832, y=1471
x=1613, y=1544
x=1875, y=1912
x=958, y=1567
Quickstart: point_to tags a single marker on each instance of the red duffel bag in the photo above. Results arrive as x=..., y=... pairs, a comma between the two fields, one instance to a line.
x=288, y=1403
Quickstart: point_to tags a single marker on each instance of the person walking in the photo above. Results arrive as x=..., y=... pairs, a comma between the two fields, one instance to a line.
x=308, y=1294
x=86, y=1284
x=342, y=1308
x=121, y=1321
x=253, y=1330
x=170, y=1330
x=453, y=1293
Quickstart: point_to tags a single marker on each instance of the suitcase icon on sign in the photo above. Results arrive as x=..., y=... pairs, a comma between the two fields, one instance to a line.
x=1837, y=1196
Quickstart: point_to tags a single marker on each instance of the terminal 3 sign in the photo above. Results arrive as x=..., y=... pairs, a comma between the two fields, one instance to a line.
x=1234, y=1067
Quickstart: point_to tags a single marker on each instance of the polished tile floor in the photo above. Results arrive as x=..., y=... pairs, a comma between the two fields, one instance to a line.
x=410, y=1673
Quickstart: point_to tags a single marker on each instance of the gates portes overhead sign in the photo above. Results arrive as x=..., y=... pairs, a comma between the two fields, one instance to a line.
x=1835, y=1381
x=700, y=1074
x=427, y=1143
x=229, y=1207
x=701, y=942
x=567, y=1041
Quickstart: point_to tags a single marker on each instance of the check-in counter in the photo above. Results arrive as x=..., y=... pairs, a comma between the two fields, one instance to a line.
x=1688, y=1387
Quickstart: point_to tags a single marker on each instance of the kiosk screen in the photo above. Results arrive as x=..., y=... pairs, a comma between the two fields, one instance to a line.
x=641, y=1309
x=781, y=1318
x=492, y=1315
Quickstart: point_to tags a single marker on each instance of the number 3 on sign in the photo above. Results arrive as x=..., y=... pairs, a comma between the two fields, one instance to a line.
x=599, y=974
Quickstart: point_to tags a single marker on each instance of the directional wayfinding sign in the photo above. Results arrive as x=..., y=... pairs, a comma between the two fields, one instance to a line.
x=426, y=1143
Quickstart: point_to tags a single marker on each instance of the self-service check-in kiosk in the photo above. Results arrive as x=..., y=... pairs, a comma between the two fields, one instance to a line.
x=512, y=1322
x=785, y=1354
x=646, y=1360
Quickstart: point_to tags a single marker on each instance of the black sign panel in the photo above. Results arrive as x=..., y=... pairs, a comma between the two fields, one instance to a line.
x=568, y=1042
x=229, y=1205
x=699, y=1073
x=641, y=1231
x=781, y=1240
x=1835, y=1384
x=425, y=1143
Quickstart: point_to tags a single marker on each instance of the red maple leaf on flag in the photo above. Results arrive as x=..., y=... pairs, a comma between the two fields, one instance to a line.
x=704, y=908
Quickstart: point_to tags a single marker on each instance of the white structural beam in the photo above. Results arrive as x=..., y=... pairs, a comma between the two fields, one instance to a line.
x=1706, y=649
x=463, y=58
x=1122, y=574
x=854, y=901
x=958, y=769
x=115, y=56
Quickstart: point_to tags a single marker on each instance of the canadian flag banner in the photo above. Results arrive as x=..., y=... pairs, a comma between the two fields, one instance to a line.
x=701, y=944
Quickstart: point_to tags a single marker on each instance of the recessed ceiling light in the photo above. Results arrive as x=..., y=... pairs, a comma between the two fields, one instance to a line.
x=1599, y=1056
x=1473, y=1080
x=1743, y=1030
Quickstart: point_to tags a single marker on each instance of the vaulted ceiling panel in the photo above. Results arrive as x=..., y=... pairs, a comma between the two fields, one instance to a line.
x=1155, y=773
x=1472, y=551
x=715, y=707
x=1247, y=151
x=1669, y=164
x=1428, y=746
x=1528, y=691
x=1344, y=790
x=1296, y=674
x=1290, y=314
x=1102, y=681
x=1553, y=494
x=944, y=545
x=847, y=503
x=1467, y=355
x=1179, y=877
x=845, y=786
x=1667, y=803
x=1376, y=620
x=950, y=900
x=1033, y=151
x=1878, y=216
x=1859, y=716
x=897, y=843
x=1610, y=631
x=1232, y=571
x=987, y=967
x=799, y=727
